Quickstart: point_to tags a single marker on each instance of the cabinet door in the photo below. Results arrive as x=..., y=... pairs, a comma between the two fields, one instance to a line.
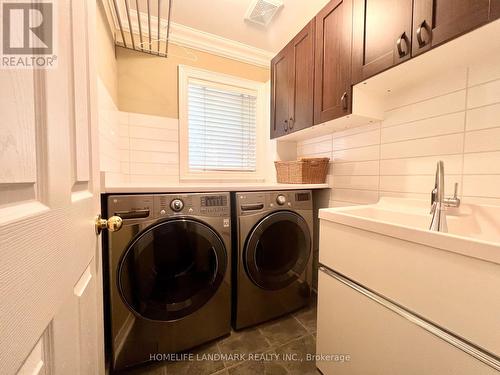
x=359, y=335
x=494, y=9
x=382, y=35
x=437, y=21
x=332, y=76
x=280, y=93
x=302, y=79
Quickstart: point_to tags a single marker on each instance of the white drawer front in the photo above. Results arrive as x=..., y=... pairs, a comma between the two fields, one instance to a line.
x=380, y=341
x=456, y=292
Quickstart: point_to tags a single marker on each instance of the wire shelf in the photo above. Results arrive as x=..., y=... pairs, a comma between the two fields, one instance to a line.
x=141, y=30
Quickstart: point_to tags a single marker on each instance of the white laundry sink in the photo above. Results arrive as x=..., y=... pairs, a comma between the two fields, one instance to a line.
x=448, y=282
x=473, y=230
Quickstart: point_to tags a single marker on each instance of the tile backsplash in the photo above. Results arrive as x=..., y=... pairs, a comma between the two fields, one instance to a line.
x=149, y=148
x=455, y=117
x=144, y=149
x=134, y=147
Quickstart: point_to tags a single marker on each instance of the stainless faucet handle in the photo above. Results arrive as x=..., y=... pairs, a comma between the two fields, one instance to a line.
x=455, y=200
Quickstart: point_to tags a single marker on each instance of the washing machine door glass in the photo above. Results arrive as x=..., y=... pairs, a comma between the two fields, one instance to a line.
x=171, y=269
x=277, y=250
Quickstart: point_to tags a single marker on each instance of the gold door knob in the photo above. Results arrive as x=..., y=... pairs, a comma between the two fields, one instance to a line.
x=113, y=224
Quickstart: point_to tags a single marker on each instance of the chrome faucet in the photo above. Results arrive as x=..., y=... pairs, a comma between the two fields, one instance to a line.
x=439, y=202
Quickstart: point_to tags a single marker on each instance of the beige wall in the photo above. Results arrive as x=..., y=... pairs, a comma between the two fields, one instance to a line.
x=138, y=106
x=106, y=60
x=148, y=84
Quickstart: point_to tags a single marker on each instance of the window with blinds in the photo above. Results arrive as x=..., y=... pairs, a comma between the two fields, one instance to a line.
x=221, y=128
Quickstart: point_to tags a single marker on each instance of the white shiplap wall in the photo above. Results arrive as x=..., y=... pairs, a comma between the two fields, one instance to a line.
x=134, y=147
x=149, y=148
x=454, y=117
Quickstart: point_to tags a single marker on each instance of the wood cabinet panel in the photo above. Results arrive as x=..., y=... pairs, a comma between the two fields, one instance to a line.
x=332, y=76
x=302, y=79
x=381, y=35
x=438, y=21
x=351, y=40
x=494, y=9
x=280, y=93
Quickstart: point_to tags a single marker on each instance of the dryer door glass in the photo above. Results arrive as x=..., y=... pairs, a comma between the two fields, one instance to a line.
x=277, y=250
x=171, y=269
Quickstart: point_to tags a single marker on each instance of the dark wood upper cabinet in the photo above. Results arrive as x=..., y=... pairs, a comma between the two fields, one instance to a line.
x=351, y=40
x=381, y=35
x=302, y=79
x=280, y=92
x=438, y=21
x=332, y=75
x=494, y=9
x=292, y=84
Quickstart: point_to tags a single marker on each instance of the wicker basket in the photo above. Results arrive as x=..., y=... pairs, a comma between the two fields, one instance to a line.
x=303, y=171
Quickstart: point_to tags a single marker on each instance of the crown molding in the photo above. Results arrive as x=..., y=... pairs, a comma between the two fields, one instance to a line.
x=203, y=41
x=185, y=36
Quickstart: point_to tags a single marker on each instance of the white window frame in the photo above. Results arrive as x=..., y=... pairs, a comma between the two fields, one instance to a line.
x=187, y=73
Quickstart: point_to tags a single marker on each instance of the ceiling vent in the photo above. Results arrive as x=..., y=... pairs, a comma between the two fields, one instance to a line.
x=262, y=11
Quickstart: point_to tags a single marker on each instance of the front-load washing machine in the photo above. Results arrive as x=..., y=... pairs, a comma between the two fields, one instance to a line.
x=169, y=274
x=272, y=264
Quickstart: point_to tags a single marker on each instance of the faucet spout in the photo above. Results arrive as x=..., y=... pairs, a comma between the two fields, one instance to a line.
x=439, y=223
x=439, y=182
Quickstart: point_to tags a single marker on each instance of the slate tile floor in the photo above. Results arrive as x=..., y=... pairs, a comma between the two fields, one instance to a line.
x=292, y=336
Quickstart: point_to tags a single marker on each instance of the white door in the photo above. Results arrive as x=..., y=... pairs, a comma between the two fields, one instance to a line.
x=50, y=262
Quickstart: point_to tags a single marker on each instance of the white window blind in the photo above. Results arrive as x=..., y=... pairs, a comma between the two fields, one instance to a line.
x=221, y=128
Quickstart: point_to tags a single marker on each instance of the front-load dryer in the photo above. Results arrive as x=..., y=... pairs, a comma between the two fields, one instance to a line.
x=272, y=264
x=169, y=274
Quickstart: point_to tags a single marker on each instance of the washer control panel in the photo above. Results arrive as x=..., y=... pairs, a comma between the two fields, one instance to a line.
x=208, y=204
x=169, y=204
x=215, y=205
x=281, y=199
x=176, y=205
x=131, y=207
x=137, y=207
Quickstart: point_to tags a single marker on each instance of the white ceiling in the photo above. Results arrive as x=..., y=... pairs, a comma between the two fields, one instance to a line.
x=225, y=18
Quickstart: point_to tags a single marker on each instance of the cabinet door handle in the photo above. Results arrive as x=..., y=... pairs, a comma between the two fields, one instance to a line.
x=285, y=126
x=343, y=101
x=420, y=40
x=399, y=44
x=291, y=122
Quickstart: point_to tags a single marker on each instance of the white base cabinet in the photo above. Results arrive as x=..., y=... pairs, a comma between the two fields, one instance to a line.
x=375, y=337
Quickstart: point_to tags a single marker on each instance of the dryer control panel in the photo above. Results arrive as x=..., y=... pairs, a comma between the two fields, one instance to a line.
x=251, y=202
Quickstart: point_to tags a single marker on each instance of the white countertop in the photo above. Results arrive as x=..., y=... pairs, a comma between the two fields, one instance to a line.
x=206, y=187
